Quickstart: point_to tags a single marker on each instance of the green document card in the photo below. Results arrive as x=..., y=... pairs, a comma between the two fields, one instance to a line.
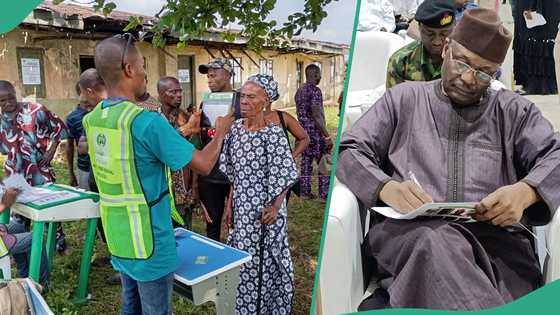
x=216, y=105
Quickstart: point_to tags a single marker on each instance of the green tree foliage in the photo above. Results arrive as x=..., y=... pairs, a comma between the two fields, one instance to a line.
x=190, y=19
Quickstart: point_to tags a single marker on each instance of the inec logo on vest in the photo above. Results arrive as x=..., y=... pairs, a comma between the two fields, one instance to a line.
x=100, y=149
x=101, y=139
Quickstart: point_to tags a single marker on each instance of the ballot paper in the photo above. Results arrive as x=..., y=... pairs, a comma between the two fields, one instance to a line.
x=18, y=182
x=454, y=211
x=536, y=20
x=217, y=105
x=46, y=196
x=36, y=195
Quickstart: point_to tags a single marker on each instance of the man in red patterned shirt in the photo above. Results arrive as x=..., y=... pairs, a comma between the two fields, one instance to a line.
x=29, y=136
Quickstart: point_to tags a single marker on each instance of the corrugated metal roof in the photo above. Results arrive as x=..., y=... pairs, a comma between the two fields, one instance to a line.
x=88, y=12
x=71, y=12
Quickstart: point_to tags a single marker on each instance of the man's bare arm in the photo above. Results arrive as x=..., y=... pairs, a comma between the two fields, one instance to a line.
x=49, y=154
x=82, y=145
x=302, y=138
x=70, y=161
x=203, y=161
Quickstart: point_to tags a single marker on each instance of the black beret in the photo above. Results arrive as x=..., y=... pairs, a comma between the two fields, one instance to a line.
x=436, y=13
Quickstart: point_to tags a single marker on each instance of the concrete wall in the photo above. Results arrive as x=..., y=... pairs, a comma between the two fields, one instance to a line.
x=61, y=66
x=60, y=59
x=284, y=70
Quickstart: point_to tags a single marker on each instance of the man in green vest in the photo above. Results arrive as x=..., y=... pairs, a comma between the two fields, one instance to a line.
x=130, y=149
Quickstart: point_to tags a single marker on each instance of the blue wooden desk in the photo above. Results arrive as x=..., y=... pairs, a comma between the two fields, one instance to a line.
x=208, y=270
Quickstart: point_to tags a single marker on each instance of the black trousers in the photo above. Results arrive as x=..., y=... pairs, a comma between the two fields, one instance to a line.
x=213, y=196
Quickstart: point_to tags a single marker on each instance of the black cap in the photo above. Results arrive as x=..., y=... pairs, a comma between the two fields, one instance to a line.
x=436, y=13
x=216, y=63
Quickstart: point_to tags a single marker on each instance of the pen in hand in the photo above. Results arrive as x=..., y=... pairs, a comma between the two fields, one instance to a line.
x=414, y=179
x=422, y=191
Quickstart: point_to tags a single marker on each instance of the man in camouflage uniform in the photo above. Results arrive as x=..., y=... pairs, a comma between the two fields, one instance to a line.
x=421, y=60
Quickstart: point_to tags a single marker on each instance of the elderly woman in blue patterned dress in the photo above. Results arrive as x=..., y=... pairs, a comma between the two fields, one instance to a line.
x=257, y=160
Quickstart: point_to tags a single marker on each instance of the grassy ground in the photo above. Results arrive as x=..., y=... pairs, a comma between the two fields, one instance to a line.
x=305, y=226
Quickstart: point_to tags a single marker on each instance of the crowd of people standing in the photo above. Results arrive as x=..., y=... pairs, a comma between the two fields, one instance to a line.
x=239, y=170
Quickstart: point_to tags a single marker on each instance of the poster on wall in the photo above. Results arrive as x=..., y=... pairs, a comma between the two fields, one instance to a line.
x=184, y=76
x=31, y=71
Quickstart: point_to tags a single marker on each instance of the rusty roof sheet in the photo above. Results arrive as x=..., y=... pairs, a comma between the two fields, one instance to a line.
x=88, y=12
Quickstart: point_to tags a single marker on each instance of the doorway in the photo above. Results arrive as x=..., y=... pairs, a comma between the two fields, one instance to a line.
x=186, y=79
x=86, y=62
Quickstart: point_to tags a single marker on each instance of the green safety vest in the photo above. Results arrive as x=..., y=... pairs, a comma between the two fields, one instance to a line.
x=125, y=213
x=3, y=248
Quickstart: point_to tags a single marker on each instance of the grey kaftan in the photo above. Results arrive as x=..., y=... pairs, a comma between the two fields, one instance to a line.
x=457, y=154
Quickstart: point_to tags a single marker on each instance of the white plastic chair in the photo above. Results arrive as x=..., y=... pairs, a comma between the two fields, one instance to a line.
x=369, y=70
x=341, y=275
x=369, y=62
x=5, y=268
x=342, y=281
x=341, y=278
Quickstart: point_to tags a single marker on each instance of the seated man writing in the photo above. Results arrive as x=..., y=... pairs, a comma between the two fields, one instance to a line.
x=465, y=143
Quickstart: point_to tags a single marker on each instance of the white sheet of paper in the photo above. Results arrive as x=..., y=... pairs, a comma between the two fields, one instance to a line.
x=213, y=111
x=31, y=71
x=39, y=196
x=17, y=181
x=537, y=20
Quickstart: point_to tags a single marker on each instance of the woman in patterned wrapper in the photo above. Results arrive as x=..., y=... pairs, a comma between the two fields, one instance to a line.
x=257, y=160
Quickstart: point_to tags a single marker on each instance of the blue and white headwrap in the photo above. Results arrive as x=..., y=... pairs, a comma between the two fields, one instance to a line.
x=267, y=83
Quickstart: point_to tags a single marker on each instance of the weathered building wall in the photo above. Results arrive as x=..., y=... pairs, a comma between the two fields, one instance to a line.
x=284, y=70
x=61, y=60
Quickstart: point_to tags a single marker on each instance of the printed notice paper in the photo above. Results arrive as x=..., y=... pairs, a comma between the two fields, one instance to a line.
x=31, y=71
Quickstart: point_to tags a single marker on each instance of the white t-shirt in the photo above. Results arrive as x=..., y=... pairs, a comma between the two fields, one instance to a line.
x=406, y=7
x=376, y=15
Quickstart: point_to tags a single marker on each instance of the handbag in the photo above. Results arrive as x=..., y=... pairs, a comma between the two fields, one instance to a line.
x=296, y=188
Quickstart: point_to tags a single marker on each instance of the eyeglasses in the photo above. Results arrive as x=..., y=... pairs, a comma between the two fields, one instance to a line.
x=128, y=37
x=463, y=67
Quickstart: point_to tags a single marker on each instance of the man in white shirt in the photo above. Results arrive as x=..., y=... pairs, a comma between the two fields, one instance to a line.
x=406, y=8
x=376, y=15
